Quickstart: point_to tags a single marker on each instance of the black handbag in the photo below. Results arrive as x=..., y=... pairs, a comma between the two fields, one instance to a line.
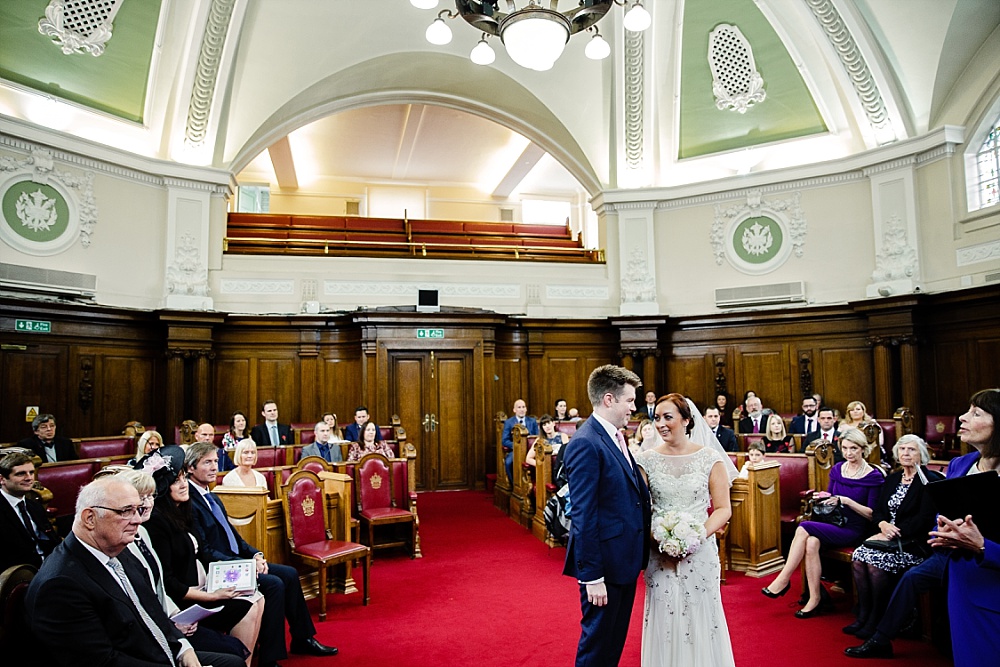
x=896, y=546
x=832, y=513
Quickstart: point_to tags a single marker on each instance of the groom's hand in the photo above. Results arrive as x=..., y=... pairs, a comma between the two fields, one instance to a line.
x=597, y=594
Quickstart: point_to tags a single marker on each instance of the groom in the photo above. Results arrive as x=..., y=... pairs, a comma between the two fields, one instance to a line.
x=609, y=533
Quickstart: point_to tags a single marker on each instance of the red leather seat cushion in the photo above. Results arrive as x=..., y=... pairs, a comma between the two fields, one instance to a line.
x=384, y=513
x=330, y=549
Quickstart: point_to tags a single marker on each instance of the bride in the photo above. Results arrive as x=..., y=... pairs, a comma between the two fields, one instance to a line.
x=684, y=623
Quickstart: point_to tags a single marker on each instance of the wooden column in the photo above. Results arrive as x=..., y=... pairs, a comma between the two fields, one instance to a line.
x=201, y=390
x=882, y=361
x=174, y=389
x=909, y=362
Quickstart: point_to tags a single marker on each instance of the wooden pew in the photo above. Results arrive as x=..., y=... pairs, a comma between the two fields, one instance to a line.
x=521, y=502
x=544, y=488
x=502, y=489
x=754, y=537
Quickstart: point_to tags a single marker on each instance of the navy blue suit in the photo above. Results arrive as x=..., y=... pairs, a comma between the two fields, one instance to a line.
x=507, y=440
x=609, y=537
x=18, y=546
x=262, y=436
x=727, y=439
x=798, y=424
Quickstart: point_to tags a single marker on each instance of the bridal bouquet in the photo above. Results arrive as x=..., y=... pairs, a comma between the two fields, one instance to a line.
x=679, y=534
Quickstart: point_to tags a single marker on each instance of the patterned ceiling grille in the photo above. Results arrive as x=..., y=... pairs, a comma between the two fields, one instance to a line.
x=735, y=80
x=85, y=16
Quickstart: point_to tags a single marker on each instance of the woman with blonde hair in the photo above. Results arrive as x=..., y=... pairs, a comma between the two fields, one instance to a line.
x=857, y=417
x=775, y=439
x=244, y=474
x=148, y=443
x=855, y=486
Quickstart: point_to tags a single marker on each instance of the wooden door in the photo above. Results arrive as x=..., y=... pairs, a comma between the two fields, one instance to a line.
x=33, y=375
x=432, y=394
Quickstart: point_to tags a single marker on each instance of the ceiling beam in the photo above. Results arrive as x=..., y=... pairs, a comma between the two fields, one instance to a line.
x=412, y=120
x=518, y=171
x=280, y=153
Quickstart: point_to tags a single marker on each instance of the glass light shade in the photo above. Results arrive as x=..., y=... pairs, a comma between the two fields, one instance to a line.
x=482, y=53
x=424, y=4
x=637, y=19
x=535, y=39
x=438, y=33
x=597, y=48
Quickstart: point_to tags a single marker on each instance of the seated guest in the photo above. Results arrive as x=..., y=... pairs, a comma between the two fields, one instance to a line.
x=170, y=536
x=336, y=434
x=48, y=446
x=28, y=537
x=742, y=409
x=827, y=430
x=726, y=437
x=321, y=445
x=271, y=433
x=244, y=474
x=550, y=435
x=902, y=514
x=755, y=454
x=148, y=443
x=237, y=431
x=507, y=439
x=561, y=413
x=775, y=439
x=279, y=584
x=646, y=437
x=91, y=604
x=806, y=422
x=206, y=433
x=725, y=414
x=855, y=485
x=352, y=431
x=647, y=411
x=368, y=443
x=754, y=421
x=858, y=417
x=574, y=415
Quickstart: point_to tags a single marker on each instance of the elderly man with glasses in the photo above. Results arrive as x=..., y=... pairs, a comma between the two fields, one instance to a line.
x=91, y=602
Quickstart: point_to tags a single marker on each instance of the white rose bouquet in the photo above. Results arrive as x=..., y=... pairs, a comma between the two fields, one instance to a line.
x=679, y=534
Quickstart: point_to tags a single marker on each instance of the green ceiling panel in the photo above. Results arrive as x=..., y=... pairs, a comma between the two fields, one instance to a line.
x=114, y=82
x=787, y=112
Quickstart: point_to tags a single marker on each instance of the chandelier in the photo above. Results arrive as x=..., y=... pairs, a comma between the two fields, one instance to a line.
x=533, y=35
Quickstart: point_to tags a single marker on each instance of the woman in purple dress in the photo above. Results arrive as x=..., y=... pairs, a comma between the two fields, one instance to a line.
x=856, y=485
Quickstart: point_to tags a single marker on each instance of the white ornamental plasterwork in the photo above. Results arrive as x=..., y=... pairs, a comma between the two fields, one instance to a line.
x=256, y=286
x=638, y=284
x=984, y=252
x=40, y=166
x=588, y=292
x=80, y=26
x=854, y=63
x=186, y=275
x=633, y=98
x=736, y=83
x=207, y=71
x=362, y=288
x=897, y=259
x=788, y=210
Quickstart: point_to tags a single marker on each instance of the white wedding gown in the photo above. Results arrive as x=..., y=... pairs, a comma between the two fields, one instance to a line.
x=684, y=624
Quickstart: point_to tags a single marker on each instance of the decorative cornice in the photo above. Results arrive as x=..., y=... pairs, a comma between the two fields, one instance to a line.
x=853, y=61
x=774, y=188
x=256, y=286
x=984, y=252
x=940, y=153
x=371, y=288
x=589, y=292
x=891, y=165
x=634, y=72
x=207, y=71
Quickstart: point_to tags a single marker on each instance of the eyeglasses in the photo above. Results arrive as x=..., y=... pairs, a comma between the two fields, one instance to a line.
x=147, y=499
x=125, y=512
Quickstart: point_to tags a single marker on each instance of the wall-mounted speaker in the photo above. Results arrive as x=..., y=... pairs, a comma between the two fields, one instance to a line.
x=427, y=301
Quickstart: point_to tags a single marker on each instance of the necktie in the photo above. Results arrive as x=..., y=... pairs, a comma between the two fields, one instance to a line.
x=809, y=425
x=28, y=525
x=622, y=446
x=825, y=437
x=274, y=436
x=220, y=516
x=324, y=450
x=756, y=425
x=154, y=629
x=148, y=555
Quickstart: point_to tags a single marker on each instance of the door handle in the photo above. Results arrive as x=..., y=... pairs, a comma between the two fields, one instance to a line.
x=434, y=422
x=426, y=423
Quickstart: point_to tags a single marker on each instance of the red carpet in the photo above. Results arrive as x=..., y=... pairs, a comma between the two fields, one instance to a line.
x=488, y=593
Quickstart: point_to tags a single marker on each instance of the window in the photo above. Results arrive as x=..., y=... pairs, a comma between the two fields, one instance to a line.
x=982, y=163
x=545, y=212
x=253, y=198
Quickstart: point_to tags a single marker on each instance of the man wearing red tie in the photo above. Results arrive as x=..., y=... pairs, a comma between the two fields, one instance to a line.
x=827, y=431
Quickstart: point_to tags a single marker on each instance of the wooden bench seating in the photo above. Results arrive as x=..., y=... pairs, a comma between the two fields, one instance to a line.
x=256, y=233
x=113, y=446
x=754, y=536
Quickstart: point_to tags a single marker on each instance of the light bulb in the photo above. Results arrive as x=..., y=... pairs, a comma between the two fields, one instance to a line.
x=424, y=4
x=482, y=53
x=597, y=48
x=438, y=32
x=637, y=19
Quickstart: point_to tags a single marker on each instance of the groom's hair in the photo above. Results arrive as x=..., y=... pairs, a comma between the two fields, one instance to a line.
x=610, y=378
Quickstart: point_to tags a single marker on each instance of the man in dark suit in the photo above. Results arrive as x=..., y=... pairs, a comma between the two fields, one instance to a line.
x=827, y=431
x=279, y=584
x=607, y=491
x=807, y=421
x=321, y=445
x=352, y=431
x=648, y=411
x=725, y=435
x=507, y=438
x=91, y=603
x=46, y=444
x=28, y=536
x=271, y=433
x=756, y=419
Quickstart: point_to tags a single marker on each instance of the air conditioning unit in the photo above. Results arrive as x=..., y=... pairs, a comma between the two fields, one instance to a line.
x=760, y=295
x=47, y=282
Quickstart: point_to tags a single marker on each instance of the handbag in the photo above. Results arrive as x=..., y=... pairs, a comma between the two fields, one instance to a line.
x=896, y=546
x=832, y=513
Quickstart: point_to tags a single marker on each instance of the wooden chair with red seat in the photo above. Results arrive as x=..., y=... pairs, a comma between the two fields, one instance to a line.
x=14, y=582
x=316, y=464
x=373, y=482
x=939, y=433
x=308, y=535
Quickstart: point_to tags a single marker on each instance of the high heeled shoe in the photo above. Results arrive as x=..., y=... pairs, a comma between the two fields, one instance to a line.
x=815, y=611
x=766, y=591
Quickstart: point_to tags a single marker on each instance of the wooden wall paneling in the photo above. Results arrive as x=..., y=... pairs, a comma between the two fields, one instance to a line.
x=847, y=375
x=986, y=353
x=341, y=389
x=309, y=372
x=688, y=370
x=232, y=376
x=33, y=374
x=765, y=370
x=276, y=381
x=125, y=391
x=454, y=380
x=951, y=373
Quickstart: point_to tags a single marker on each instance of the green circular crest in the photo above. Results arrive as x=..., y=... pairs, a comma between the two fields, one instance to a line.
x=35, y=212
x=757, y=240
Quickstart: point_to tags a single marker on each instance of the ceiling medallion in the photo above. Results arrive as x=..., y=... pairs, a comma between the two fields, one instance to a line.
x=533, y=35
x=80, y=26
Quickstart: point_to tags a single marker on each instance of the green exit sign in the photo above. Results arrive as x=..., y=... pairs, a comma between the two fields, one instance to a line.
x=35, y=326
x=430, y=333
